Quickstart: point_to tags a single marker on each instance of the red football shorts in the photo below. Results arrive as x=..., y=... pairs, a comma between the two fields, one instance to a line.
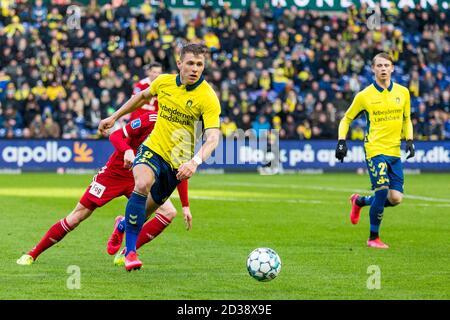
x=105, y=188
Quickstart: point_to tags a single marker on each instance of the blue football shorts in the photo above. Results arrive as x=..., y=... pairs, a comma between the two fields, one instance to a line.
x=165, y=176
x=386, y=171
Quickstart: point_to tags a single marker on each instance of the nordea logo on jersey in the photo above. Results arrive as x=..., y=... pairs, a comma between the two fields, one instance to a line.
x=46, y=152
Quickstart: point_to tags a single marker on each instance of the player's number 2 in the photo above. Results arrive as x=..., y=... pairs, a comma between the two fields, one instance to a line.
x=382, y=167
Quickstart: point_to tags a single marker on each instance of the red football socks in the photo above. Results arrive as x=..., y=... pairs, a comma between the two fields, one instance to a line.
x=53, y=235
x=152, y=229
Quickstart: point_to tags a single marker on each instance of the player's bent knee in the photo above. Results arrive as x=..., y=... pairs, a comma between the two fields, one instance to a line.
x=170, y=214
x=395, y=197
x=167, y=210
x=142, y=186
x=78, y=215
x=395, y=200
x=143, y=179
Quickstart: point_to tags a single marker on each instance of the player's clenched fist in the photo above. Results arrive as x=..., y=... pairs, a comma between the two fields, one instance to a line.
x=128, y=159
x=410, y=149
x=105, y=125
x=341, y=150
x=187, y=170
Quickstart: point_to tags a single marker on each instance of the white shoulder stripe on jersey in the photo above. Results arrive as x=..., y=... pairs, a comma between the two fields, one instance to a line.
x=125, y=132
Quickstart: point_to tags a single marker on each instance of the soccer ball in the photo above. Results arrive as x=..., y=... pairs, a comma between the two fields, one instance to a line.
x=263, y=264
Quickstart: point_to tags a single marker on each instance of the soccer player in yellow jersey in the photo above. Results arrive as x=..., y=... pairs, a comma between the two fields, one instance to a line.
x=386, y=106
x=167, y=156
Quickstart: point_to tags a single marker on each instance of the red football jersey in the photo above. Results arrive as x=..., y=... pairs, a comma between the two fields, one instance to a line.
x=151, y=105
x=136, y=131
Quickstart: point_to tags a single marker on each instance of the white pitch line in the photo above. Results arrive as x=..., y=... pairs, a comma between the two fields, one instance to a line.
x=443, y=205
x=262, y=200
x=253, y=200
x=411, y=196
x=320, y=188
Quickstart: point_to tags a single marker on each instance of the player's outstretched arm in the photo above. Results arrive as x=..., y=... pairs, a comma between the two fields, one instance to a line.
x=120, y=143
x=132, y=104
x=182, y=188
x=186, y=170
x=344, y=125
x=119, y=140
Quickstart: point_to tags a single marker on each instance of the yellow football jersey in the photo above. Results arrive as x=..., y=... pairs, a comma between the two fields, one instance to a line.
x=388, y=115
x=179, y=108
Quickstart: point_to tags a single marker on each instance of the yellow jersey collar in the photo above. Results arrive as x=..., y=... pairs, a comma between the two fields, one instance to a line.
x=190, y=87
x=380, y=89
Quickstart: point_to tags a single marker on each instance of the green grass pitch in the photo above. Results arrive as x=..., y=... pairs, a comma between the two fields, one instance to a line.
x=305, y=218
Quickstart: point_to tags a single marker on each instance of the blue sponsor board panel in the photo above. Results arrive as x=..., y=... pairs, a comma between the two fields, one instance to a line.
x=50, y=155
x=320, y=155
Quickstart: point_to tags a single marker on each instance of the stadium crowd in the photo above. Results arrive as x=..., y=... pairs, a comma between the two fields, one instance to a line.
x=287, y=69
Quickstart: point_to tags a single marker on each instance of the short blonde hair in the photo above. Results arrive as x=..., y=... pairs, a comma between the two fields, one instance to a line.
x=383, y=55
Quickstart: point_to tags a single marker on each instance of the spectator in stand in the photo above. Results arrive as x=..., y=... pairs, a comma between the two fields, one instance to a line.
x=261, y=126
x=37, y=127
x=228, y=127
x=51, y=128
